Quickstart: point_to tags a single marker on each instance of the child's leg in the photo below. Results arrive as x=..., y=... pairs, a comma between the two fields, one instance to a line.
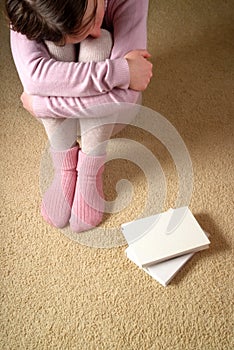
x=88, y=206
x=93, y=130
x=62, y=134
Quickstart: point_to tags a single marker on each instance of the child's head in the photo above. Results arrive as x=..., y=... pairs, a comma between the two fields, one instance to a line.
x=51, y=20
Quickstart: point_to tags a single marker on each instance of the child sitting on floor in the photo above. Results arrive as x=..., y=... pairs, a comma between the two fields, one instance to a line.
x=70, y=56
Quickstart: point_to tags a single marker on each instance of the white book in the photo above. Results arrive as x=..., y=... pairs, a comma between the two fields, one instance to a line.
x=162, y=272
x=164, y=236
x=165, y=271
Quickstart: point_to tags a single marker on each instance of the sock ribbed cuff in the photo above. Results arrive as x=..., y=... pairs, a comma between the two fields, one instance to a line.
x=65, y=160
x=90, y=164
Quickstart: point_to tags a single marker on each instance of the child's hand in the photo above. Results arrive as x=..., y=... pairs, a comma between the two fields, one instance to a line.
x=140, y=69
x=27, y=102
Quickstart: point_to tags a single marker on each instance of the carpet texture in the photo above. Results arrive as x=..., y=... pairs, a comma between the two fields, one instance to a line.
x=61, y=293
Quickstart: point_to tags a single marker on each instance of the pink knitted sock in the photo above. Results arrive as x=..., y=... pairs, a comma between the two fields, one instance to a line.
x=57, y=200
x=88, y=203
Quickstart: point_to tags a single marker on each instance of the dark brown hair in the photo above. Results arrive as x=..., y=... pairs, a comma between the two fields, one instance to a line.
x=46, y=19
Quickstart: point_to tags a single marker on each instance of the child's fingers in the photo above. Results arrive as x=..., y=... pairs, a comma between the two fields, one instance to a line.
x=145, y=54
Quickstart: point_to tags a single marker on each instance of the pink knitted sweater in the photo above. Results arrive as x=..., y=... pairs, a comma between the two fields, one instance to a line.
x=64, y=89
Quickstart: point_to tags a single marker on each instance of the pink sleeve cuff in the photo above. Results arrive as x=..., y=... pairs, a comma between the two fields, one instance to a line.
x=121, y=76
x=38, y=106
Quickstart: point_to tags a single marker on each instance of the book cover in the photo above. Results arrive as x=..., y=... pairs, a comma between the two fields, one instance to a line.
x=162, y=272
x=165, y=236
x=165, y=271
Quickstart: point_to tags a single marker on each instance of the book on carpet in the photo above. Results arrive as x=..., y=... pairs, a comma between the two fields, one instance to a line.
x=164, y=236
x=162, y=272
x=165, y=270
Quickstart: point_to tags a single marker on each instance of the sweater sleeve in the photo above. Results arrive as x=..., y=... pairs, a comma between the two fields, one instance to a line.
x=42, y=75
x=81, y=107
x=127, y=19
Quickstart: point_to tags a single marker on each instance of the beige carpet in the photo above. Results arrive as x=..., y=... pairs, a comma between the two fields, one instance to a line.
x=58, y=293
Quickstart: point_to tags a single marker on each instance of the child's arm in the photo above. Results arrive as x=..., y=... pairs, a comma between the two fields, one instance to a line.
x=42, y=75
x=76, y=107
x=129, y=21
x=128, y=18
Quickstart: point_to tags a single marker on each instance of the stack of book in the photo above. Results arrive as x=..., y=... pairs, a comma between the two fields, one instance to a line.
x=161, y=244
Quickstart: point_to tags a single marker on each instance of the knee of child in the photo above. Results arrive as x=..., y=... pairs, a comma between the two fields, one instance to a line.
x=96, y=49
x=65, y=53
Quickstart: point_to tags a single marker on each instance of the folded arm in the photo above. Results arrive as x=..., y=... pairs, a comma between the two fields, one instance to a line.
x=42, y=75
x=127, y=21
x=77, y=107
